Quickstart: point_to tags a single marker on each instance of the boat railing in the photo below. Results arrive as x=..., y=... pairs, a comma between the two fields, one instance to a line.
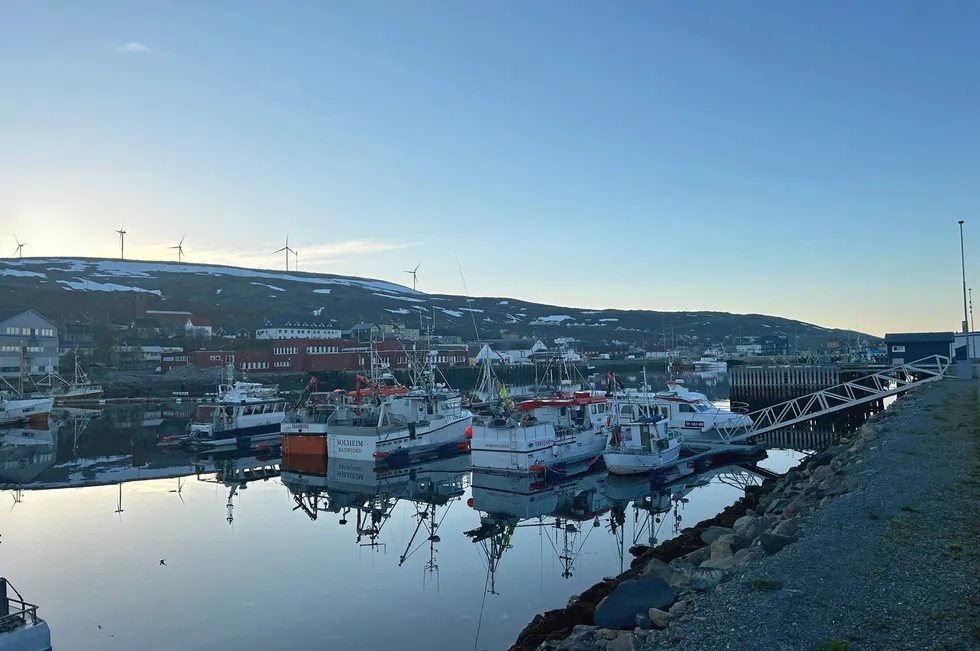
x=14, y=611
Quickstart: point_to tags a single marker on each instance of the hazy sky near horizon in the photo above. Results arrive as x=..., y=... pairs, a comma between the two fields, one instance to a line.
x=807, y=160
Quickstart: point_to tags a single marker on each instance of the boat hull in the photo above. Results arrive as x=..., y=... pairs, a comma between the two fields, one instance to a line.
x=32, y=410
x=33, y=637
x=631, y=463
x=254, y=433
x=493, y=449
x=78, y=395
x=348, y=443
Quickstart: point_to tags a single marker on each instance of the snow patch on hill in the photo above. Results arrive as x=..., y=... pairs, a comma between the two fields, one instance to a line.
x=400, y=310
x=321, y=291
x=608, y=320
x=399, y=298
x=278, y=289
x=18, y=272
x=92, y=286
x=453, y=313
x=471, y=309
x=503, y=303
x=554, y=318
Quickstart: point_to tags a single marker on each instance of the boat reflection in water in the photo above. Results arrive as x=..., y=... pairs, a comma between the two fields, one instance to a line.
x=571, y=509
x=321, y=485
x=236, y=468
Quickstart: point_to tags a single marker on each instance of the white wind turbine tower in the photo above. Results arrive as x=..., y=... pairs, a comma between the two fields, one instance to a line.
x=19, y=251
x=180, y=249
x=122, y=242
x=287, y=250
x=415, y=276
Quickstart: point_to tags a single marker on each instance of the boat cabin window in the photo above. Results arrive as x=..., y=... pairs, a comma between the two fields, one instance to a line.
x=704, y=405
x=685, y=408
x=626, y=410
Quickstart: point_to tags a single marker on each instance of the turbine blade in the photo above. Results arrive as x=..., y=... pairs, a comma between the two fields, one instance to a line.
x=417, y=267
x=182, y=238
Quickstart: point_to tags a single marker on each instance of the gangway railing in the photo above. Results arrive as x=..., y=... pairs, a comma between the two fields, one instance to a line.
x=877, y=385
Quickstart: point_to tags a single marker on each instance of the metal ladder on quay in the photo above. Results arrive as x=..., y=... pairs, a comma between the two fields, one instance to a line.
x=875, y=386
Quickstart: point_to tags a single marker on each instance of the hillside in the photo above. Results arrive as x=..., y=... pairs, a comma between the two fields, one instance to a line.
x=68, y=289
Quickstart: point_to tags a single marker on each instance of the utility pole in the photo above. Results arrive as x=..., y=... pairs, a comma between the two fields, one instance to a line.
x=966, y=326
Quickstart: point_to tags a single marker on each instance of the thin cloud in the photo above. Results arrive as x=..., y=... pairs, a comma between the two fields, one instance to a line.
x=134, y=47
x=310, y=257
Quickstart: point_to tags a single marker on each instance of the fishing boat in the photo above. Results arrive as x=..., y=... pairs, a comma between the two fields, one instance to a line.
x=19, y=409
x=710, y=362
x=553, y=434
x=683, y=409
x=20, y=627
x=78, y=388
x=315, y=408
x=242, y=411
x=640, y=439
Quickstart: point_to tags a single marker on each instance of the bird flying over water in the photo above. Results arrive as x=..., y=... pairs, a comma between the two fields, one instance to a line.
x=163, y=561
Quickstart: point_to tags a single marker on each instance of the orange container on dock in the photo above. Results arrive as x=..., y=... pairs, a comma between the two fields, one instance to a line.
x=304, y=444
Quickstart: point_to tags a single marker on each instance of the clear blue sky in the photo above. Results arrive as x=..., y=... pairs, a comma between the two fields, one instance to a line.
x=808, y=160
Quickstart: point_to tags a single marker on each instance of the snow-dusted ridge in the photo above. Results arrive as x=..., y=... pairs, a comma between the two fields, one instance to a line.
x=141, y=269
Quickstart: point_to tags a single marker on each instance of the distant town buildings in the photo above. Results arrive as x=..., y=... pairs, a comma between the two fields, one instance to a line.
x=298, y=328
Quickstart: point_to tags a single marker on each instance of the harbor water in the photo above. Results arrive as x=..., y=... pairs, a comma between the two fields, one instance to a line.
x=124, y=544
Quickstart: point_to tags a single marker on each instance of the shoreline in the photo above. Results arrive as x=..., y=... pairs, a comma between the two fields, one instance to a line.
x=869, y=544
x=558, y=624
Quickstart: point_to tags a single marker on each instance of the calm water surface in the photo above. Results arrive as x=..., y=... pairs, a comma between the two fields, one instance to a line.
x=336, y=559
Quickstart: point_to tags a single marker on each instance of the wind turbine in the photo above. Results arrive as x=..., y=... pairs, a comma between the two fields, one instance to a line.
x=122, y=242
x=180, y=249
x=295, y=260
x=19, y=251
x=287, y=250
x=415, y=275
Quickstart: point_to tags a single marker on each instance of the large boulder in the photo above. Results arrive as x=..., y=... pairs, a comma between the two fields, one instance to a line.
x=722, y=548
x=773, y=543
x=787, y=528
x=581, y=639
x=749, y=528
x=632, y=598
x=660, y=618
x=657, y=569
x=713, y=533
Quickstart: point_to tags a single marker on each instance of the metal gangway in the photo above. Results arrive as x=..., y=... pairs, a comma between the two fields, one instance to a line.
x=876, y=386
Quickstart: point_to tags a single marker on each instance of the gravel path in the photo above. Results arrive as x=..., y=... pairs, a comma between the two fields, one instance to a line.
x=893, y=565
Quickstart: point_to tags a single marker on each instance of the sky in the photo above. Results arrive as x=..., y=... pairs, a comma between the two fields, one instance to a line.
x=806, y=160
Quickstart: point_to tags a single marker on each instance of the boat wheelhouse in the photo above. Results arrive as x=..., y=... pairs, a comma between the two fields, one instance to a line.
x=685, y=410
x=640, y=440
x=543, y=434
x=710, y=362
x=227, y=422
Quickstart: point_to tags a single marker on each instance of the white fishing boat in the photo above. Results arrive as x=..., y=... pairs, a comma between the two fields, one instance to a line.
x=542, y=434
x=710, y=362
x=15, y=409
x=402, y=425
x=640, y=441
x=242, y=410
x=78, y=388
x=683, y=409
x=316, y=407
x=21, y=629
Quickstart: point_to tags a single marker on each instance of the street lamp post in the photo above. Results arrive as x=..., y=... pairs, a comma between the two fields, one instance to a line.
x=966, y=323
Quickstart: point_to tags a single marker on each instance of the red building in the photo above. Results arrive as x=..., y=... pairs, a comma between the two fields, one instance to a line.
x=310, y=355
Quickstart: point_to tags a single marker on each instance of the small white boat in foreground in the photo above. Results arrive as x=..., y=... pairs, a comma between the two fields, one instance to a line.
x=640, y=441
x=20, y=627
x=15, y=409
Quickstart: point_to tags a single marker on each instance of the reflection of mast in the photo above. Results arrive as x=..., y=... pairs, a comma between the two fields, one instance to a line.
x=426, y=514
x=119, y=508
